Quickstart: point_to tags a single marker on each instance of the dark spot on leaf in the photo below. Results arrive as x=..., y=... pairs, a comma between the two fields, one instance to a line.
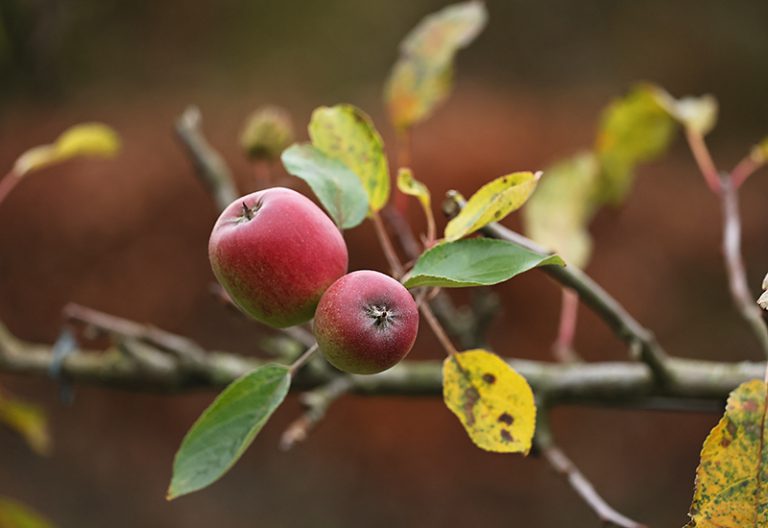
x=471, y=397
x=725, y=442
x=497, y=215
x=750, y=405
x=506, y=418
x=489, y=378
x=731, y=428
x=506, y=436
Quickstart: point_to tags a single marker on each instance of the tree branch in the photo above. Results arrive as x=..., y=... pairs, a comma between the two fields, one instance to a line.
x=623, y=384
x=209, y=165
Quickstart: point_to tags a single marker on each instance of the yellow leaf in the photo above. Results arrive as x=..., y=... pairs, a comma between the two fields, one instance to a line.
x=89, y=139
x=13, y=514
x=731, y=488
x=698, y=114
x=267, y=133
x=633, y=129
x=28, y=420
x=346, y=133
x=558, y=213
x=493, y=402
x=492, y=202
x=759, y=152
x=421, y=77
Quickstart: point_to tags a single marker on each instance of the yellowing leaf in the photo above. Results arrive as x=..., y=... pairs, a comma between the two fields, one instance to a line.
x=421, y=77
x=13, y=514
x=28, y=420
x=346, y=133
x=267, y=133
x=493, y=402
x=412, y=187
x=492, y=202
x=731, y=488
x=90, y=139
x=698, y=114
x=558, y=213
x=633, y=129
x=759, y=152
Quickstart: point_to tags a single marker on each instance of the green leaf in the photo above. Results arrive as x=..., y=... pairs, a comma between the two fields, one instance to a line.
x=27, y=420
x=494, y=403
x=267, y=133
x=90, y=139
x=731, y=489
x=474, y=262
x=558, y=213
x=13, y=514
x=492, y=202
x=346, y=133
x=226, y=428
x=421, y=77
x=633, y=129
x=337, y=187
x=697, y=114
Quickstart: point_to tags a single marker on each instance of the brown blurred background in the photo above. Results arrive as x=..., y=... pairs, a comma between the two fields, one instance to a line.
x=128, y=236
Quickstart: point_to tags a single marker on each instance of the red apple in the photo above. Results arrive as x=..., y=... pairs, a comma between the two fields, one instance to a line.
x=366, y=322
x=275, y=252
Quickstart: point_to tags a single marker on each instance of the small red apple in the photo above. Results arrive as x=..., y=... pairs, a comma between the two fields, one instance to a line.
x=366, y=322
x=275, y=252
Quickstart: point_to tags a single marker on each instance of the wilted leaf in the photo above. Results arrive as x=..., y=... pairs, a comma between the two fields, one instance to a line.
x=267, y=133
x=338, y=188
x=492, y=202
x=13, y=514
x=633, y=129
x=90, y=139
x=558, y=213
x=28, y=420
x=225, y=429
x=474, y=262
x=493, y=402
x=731, y=480
x=421, y=77
x=345, y=133
x=698, y=114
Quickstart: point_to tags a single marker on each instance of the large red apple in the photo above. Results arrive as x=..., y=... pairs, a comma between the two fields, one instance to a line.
x=366, y=322
x=275, y=252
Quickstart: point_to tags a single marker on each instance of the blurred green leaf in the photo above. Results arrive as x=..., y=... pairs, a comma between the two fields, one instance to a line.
x=225, y=429
x=474, y=262
x=338, y=188
x=421, y=77
x=558, y=213
x=633, y=129
x=491, y=203
x=346, y=133
x=697, y=114
x=89, y=139
x=28, y=420
x=267, y=133
x=13, y=514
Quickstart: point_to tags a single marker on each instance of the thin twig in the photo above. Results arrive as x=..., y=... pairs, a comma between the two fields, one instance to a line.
x=317, y=403
x=302, y=359
x=737, y=276
x=703, y=159
x=8, y=183
x=744, y=169
x=563, y=465
x=569, y=309
x=209, y=165
x=386, y=245
x=437, y=329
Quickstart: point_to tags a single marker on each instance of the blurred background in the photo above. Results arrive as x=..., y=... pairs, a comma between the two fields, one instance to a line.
x=129, y=236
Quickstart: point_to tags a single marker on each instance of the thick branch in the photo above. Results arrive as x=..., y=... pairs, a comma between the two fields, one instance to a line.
x=606, y=384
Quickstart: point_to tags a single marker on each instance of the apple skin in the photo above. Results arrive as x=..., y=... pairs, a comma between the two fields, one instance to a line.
x=275, y=252
x=366, y=322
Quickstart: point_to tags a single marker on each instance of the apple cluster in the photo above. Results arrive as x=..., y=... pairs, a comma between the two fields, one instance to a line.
x=283, y=261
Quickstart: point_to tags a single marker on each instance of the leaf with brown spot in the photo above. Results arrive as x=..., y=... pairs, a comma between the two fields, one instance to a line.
x=499, y=416
x=732, y=478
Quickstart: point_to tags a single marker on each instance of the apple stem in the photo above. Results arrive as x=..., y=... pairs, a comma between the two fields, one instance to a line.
x=247, y=212
x=396, y=268
x=301, y=361
x=438, y=329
